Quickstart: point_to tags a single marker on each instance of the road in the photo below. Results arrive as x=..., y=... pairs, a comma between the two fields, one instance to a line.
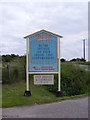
x=76, y=108
x=0, y=113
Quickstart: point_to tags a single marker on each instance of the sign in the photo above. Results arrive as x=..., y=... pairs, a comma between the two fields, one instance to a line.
x=43, y=79
x=43, y=53
x=43, y=57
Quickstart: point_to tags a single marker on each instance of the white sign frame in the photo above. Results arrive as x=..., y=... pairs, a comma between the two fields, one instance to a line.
x=27, y=65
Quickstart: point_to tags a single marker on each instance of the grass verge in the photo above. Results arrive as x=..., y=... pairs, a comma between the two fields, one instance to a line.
x=13, y=95
x=0, y=95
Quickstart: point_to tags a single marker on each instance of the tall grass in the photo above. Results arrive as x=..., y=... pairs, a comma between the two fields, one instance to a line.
x=17, y=74
x=17, y=70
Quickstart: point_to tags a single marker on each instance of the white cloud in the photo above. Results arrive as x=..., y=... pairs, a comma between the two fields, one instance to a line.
x=45, y=1
x=67, y=19
x=72, y=45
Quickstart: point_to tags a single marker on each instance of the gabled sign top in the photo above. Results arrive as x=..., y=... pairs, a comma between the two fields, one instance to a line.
x=44, y=31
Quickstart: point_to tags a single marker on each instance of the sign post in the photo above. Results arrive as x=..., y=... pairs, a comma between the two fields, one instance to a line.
x=27, y=91
x=58, y=64
x=43, y=57
x=59, y=92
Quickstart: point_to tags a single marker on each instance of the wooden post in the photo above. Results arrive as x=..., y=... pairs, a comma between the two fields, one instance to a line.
x=8, y=69
x=25, y=72
x=59, y=92
x=59, y=87
x=27, y=77
x=27, y=91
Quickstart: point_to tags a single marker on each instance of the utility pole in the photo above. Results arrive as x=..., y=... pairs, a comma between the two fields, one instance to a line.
x=84, y=49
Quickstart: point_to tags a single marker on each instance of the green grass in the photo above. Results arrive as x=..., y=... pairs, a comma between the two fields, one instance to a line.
x=0, y=95
x=13, y=95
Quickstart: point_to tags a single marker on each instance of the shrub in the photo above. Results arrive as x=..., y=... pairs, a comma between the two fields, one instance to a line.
x=73, y=80
x=53, y=88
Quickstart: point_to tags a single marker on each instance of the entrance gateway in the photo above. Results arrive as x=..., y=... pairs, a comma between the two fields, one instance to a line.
x=43, y=59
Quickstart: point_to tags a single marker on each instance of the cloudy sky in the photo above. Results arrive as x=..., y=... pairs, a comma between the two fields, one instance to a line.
x=69, y=19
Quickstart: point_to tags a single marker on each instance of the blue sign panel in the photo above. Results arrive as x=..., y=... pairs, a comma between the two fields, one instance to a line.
x=43, y=53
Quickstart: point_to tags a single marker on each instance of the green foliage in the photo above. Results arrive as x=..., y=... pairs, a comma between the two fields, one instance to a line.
x=13, y=60
x=53, y=88
x=8, y=58
x=74, y=80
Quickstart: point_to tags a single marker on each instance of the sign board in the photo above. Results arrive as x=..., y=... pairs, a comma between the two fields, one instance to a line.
x=43, y=52
x=43, y=57
x=43, y=79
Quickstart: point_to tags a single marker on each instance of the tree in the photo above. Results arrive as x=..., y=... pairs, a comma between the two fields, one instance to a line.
x=73, y=59
x=62, y=60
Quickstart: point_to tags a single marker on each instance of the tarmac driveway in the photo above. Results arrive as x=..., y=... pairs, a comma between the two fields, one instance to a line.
x=76, y=108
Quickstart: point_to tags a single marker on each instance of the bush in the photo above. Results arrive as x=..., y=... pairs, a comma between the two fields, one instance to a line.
x=73, y=80
x=53, y=88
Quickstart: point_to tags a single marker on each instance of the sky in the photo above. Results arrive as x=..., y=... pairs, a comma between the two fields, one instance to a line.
x=69, y=19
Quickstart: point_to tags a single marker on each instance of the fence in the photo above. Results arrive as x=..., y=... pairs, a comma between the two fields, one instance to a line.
x=13, y=73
